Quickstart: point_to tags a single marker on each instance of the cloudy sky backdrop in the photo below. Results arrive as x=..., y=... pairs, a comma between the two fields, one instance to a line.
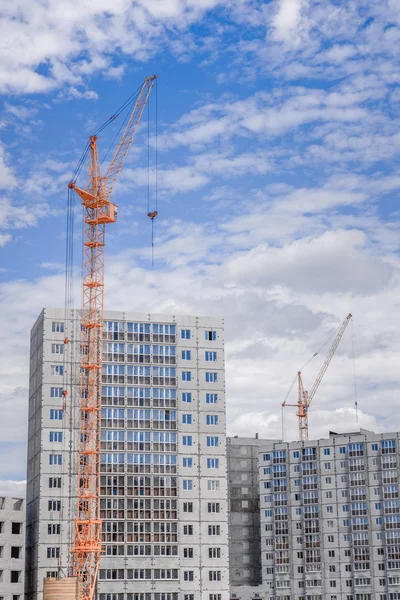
x=278, y=189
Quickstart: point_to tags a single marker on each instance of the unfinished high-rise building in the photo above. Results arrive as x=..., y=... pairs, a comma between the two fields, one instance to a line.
x=163, y=463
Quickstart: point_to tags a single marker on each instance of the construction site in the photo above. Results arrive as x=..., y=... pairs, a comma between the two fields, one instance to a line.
x=134, y=490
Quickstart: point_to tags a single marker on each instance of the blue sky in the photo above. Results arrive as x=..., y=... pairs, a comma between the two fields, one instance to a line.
x=278, y=154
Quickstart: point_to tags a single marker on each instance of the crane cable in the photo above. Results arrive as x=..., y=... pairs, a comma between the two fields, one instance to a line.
x=152, y=214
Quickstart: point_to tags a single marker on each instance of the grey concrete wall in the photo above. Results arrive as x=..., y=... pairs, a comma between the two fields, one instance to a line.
x=12, y=548
x=244, y=515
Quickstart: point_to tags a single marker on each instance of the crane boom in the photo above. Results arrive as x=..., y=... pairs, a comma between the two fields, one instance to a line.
x=98, y=212
x=304, y=397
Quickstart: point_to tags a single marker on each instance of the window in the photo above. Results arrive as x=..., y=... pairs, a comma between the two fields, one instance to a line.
x=56, y=392
x=186, y=396
x=54, y=482
x=213, y=484
x=214, y=575
x=186, y=354
x=212, y=440
x=57, y=348
x=185, y=596
x=15, y=576
x=212, y=463
x=188, y=530
x=211, y=419
x=342, y=450
x=266, y=457
x=214, y=530
x=55, y=459
x=15, y=528
x=188, y=507
x=331, y=553
x=211, y=398
x=53, y=529
x=328, y=479
x=53, y=552
x=327, y=466
x=16, y=551
x=213, y=507
x=214, y=596
x=375, y=447
x=187, y=440
x=187, y=461
x=57, y=370
x=210, y=336
x=211, y=377
x=329, y=509
x=187, y=419
x=214, y=553
x=186, y=376
x=187, y=484
x=331, y=538
x=55, y=436
x=54, y=505
x=210, y=356
x=188, y=553
x=56, y=415
x=57, y=327
x=185, y=334
x=327, y=451
x=188, y=575
x=296, y=454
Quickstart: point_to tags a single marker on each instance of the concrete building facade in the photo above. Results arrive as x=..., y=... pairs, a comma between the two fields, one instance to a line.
x=163, y=456
x=12, y=548
x=330, y=518
x=244, y=511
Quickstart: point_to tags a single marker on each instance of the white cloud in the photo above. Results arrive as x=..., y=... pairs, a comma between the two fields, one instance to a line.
x=79, y=40
x=287, y=20
x=16, y=489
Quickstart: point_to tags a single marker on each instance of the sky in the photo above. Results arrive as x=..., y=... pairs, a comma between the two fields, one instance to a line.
x=278, y=181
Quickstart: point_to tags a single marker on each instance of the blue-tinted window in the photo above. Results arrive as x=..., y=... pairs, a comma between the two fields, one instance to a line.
x=211, y=398
x=187, y=461
x=55, y=459
x=187, y=484
x=211, y=377
x=185, y=334
x=342, y=450
x=186, y=396
x=187, y=440
x=375, y=447
x=210, y=356
x=267, y=470
x=212, y=440
x=186, y=376
x=187, y=419
x=55, y=436
x=327, y=451
x=56, y=415
x=296, y=454
x=212, y=463
x=186, y=354
x=210, y=336
x=56, y=392
x=266, y=457
x=211, y=419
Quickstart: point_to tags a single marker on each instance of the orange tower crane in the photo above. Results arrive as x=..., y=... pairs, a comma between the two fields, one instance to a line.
x=99, y=211
x=305, y=397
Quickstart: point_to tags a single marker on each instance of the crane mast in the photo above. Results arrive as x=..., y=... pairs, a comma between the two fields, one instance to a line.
x=99, y=211
x=304, y=397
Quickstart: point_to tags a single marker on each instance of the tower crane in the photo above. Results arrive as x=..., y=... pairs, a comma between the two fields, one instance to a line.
x=304, y=397
x=99, y=211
